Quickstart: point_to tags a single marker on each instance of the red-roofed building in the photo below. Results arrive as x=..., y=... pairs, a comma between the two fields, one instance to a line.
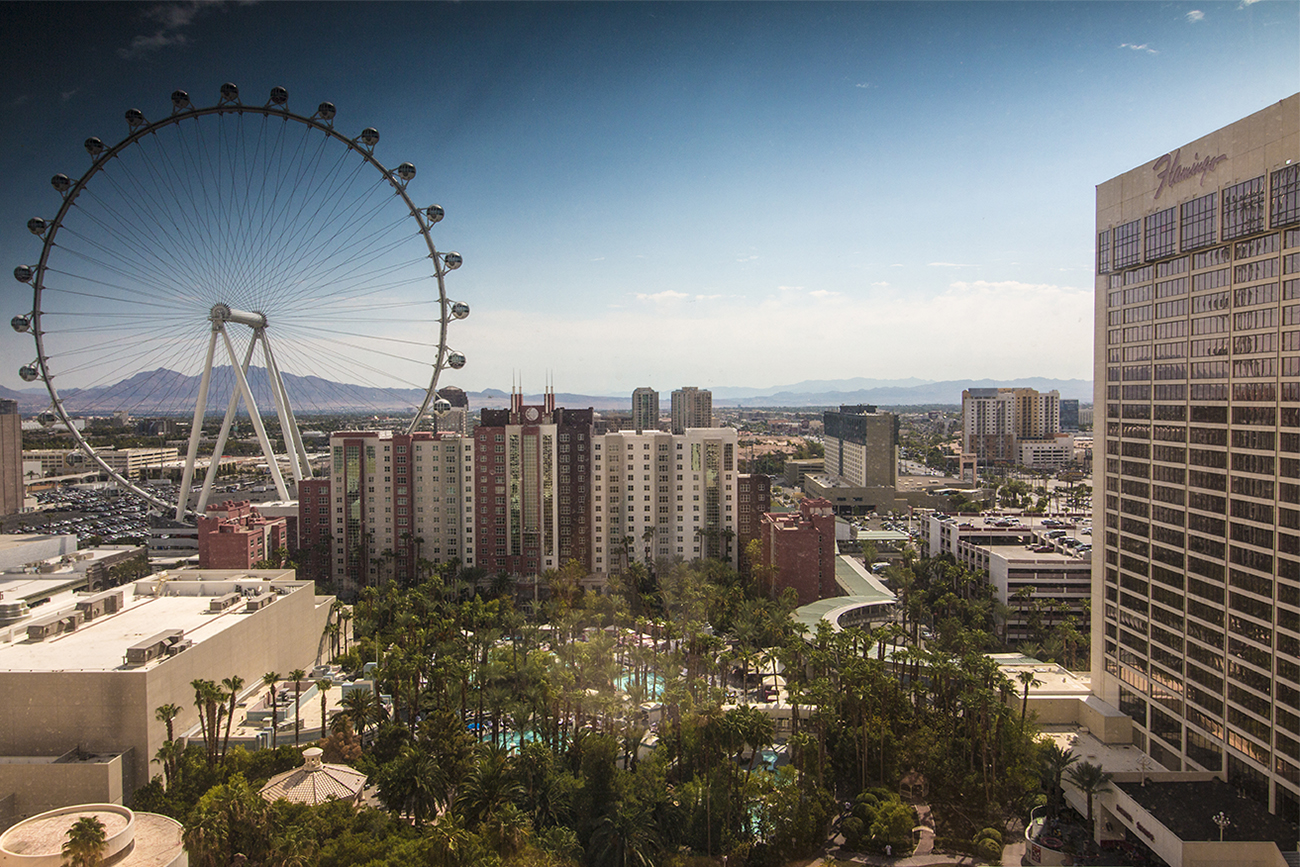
x=233, y=535
x=801, y=545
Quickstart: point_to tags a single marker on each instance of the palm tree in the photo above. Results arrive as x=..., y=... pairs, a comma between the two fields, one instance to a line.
x=165, y=715
x=296, y=676
x=168, y=756
x=233, y=685
x=269, y=680
x=1091, y=780
x=1056, y=762
x=625, y=837
x=323, y=686
x=1028, y=680
x=85, y=844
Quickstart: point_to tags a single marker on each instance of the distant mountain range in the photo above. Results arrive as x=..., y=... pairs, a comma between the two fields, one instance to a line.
x=166, y=392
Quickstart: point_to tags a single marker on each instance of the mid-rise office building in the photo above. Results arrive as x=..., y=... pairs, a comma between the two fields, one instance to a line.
x=532, y=482
x=236, y=535
x=692, y=407
x=1196, y=592
x=661, y=495
x=645, y=410
x=11, y=458
x=1069, y=415
x=862, y=446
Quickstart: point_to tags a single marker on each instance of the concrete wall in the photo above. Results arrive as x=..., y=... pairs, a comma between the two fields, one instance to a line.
x=47, y=713
x=39, y=784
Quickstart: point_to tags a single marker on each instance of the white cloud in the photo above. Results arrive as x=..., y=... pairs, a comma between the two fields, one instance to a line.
x=667, y=339
x=1195, y=15
x=746, y=258
x=172, y=18
x=666, y=295
x=790, y=288
x=66, y=95
x=865, y=85
x=1143, y=47
x=949, y=265
x=880, y=283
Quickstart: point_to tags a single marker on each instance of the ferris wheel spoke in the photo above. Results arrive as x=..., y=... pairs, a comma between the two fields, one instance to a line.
x=244, y=208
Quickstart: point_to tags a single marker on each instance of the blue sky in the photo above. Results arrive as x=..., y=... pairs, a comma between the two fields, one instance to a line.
x=719, y=194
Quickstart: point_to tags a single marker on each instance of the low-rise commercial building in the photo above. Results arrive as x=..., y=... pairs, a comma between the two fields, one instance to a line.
x=87, y=674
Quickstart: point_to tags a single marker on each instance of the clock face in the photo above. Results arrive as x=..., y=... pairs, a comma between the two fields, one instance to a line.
x=531, y=413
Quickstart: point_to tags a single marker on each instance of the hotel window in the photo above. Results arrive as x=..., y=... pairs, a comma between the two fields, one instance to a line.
x=1103, y=252
x=1128, y=244
x=1243, y=209
x=1161, y=234
x=1286, y=195
x=1198, y=218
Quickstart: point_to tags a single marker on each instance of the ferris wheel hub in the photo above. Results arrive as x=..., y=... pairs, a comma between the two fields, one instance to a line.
x=224, y=313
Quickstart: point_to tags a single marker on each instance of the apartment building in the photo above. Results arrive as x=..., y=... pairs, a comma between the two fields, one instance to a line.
x=660, y=495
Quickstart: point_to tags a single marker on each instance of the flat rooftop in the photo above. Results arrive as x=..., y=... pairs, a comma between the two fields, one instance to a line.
x=1188, y=809
x=101, y=644
x=1113, y=758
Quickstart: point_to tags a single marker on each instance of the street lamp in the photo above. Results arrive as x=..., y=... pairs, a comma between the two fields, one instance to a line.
x=1221, y=819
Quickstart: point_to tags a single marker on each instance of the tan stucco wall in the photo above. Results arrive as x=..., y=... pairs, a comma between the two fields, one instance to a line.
x=41, y=786
x=48, y=713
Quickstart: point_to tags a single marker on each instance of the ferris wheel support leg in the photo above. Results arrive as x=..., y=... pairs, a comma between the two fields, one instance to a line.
x=219, y=448
x=196, y=431
x=256, y=418
x=288, y=424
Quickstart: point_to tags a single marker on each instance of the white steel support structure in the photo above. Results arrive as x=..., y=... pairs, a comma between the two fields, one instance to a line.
x=297, y=454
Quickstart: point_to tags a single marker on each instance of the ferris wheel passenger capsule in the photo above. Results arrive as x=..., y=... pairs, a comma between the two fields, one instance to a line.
x=434, y=214
x=370, y=136
x=29, y=373
x=442, y=405
x=406, y=171
x=455, y=361
x=61, y=182
x=180, y=99
x=37, y=226
x=134, y=117
x=21, y=323
x=325, y=110
x=229, y=92
x=94, y=146
x=452, y=261
x=24, y=273
x=279, y=96
x=460, y=309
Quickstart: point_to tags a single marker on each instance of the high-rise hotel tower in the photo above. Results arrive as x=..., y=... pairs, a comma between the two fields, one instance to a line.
x=1196, y=592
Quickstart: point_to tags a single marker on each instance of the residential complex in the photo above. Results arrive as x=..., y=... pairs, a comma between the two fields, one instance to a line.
x=997, y=423
x=1196, y=614
x=692, y=407
x=531, y=484
x=645, y=410
x=391, y=507
x=664, y=495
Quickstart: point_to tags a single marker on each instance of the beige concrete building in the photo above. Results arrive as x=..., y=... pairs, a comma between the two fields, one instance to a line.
x=11, y=458
x=692, y=407
x=1196, y=594
x=81, y=682
x=645, y=409
x=672, y=495
x=997, y=421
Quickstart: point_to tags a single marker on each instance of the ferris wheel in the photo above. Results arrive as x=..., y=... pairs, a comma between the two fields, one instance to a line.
x=238, y=256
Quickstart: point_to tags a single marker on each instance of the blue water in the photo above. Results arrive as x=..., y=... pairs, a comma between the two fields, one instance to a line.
x=654, y=685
